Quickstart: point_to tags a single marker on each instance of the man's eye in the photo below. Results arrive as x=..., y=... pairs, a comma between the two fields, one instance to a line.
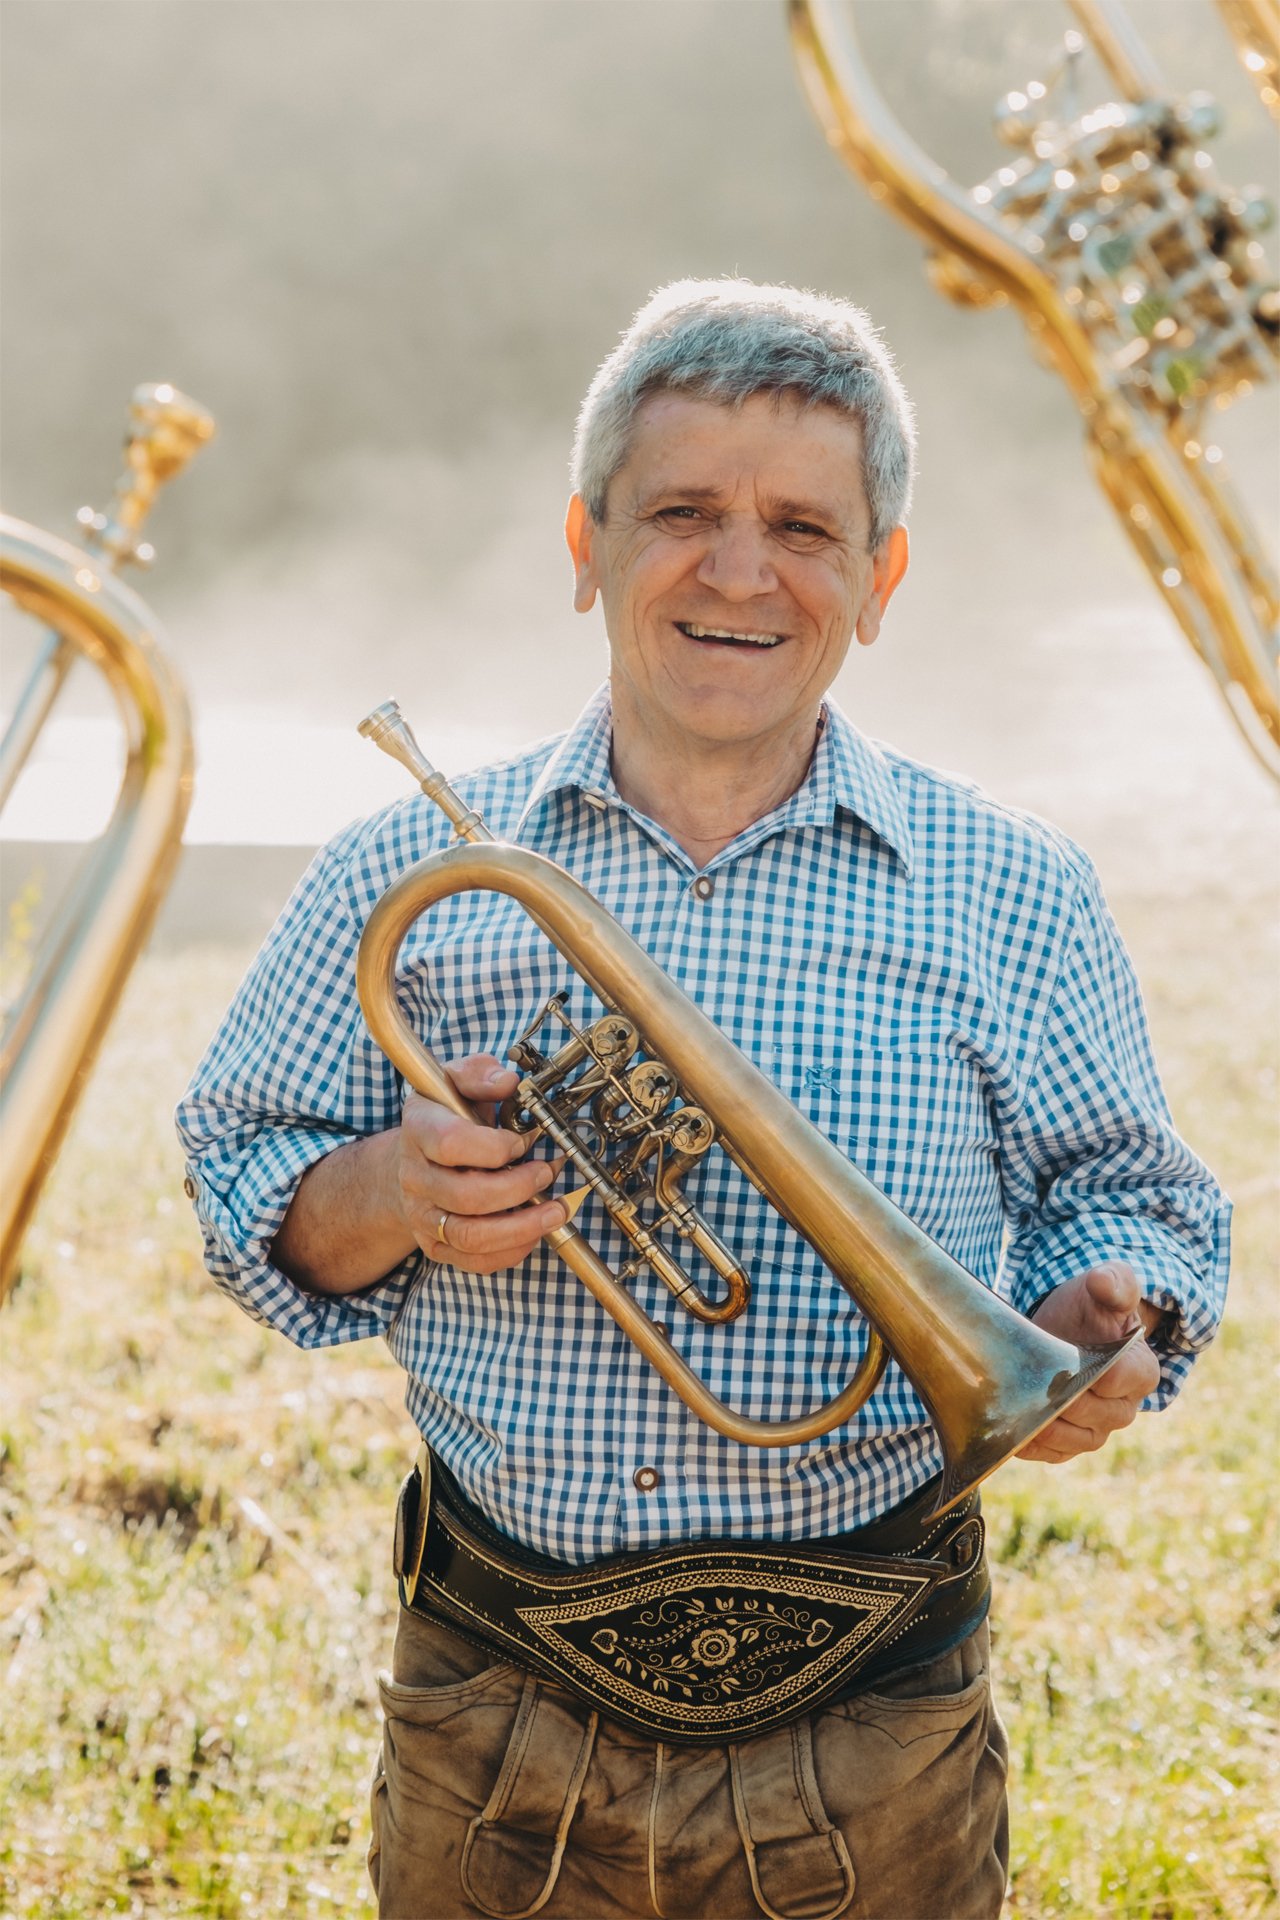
x=684, y=514
x=802, y=530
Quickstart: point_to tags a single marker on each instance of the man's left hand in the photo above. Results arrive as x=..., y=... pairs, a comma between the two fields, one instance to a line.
x=1103, y=1304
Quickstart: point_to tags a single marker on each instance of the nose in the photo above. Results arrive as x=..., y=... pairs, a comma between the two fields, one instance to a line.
x=737, y=563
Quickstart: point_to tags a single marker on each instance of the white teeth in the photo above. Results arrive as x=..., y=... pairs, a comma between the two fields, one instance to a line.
x=721, y=633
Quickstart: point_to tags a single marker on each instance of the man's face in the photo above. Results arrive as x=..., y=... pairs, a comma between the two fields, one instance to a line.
x=733, y=567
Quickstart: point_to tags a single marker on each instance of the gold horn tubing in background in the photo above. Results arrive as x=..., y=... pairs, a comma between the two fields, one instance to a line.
x=990, y=1379
x=1254, y=25
x=1202, y=553
x=57, y=1022
x=1120, y=48
x=902, y=177
x=50, y=668
x=1160, y=500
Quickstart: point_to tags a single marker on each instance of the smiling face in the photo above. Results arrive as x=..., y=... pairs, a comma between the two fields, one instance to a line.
x=734, y=570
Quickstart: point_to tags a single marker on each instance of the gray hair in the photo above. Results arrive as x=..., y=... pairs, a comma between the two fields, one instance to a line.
x=725, y=340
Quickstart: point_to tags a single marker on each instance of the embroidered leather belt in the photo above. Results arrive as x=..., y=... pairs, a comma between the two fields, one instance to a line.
x=706, y=1642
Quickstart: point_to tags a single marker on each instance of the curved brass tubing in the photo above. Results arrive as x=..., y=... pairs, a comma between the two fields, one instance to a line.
x=58, y=1020
x=1149, y=447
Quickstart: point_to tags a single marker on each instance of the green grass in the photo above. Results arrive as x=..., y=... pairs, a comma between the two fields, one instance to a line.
x=195, y=1589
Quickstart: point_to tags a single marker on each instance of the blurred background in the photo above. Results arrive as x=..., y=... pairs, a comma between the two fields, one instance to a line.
x=387, y=244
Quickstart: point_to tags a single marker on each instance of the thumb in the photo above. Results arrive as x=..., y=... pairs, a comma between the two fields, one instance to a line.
x=480, y=1076
x=1113, y=1288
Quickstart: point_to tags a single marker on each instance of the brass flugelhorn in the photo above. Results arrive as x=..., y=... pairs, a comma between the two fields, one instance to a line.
x=58, y=1019
x=1140, y=279
x=990, y=1379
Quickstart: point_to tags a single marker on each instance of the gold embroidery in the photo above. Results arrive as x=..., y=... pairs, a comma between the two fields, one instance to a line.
x=713, y=1646
x=682, y=1653
x=667, y=1699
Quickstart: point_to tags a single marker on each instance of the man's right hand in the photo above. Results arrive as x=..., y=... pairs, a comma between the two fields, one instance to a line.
x=357, y=1213
x=468, y=1194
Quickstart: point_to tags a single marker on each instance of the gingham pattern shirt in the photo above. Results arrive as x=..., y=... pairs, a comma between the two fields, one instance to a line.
x=931, y=977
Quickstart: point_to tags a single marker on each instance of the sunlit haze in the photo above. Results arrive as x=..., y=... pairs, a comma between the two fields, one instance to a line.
x=394, y=326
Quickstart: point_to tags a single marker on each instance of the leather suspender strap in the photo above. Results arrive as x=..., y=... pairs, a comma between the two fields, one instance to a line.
x=798, y=1861
x=513, y=1849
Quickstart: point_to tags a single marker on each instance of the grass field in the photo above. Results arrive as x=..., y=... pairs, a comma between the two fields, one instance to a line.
x=195, y=1589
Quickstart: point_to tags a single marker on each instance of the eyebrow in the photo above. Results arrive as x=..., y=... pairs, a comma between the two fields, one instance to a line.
x=678, y=490
x=803, y=510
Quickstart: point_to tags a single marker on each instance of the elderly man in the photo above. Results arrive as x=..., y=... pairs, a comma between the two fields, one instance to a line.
x=625, y=1679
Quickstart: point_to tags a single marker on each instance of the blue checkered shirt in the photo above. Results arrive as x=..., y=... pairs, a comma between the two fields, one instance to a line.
x=931, y=977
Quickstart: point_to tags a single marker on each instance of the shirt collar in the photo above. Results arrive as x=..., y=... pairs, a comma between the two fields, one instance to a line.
x=848, y=771
x=580, y=761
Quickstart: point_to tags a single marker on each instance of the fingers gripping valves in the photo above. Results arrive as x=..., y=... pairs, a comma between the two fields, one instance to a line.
x=627, y=1108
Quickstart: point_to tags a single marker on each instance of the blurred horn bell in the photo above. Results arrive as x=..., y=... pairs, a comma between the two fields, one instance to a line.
x=57, y=1020
x=1141, y=279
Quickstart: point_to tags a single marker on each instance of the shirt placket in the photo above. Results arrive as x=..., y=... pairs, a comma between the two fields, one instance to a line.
x=652, y=1496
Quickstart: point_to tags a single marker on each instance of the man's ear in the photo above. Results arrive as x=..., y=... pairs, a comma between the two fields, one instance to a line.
x=889, y=565
x=579, y=531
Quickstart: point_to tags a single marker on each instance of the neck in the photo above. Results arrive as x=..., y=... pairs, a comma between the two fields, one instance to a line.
x=706, y=793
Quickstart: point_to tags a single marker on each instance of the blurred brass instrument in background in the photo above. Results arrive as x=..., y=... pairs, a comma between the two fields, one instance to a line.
x=53, y=1030
x=990, y=1379
x=1140, y=280
x=1255, y=28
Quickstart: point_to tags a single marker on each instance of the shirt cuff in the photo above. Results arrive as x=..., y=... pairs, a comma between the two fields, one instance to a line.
x=1058, y=1253
x=240, y=1208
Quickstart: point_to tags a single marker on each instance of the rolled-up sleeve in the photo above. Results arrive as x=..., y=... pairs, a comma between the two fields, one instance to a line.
x=290, y=1075
x=1093, y=1167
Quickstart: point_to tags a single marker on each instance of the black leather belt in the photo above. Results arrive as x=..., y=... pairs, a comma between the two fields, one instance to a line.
x=705, y=1642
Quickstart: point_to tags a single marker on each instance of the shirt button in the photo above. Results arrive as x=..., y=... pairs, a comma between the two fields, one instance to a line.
x=189, y=1187
x=646, y=1479
x=704, y=886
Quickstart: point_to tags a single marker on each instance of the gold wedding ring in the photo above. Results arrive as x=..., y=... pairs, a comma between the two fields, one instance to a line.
x=442, y=1233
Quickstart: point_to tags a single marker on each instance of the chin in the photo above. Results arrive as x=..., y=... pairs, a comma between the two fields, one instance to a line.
x=726, y=725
